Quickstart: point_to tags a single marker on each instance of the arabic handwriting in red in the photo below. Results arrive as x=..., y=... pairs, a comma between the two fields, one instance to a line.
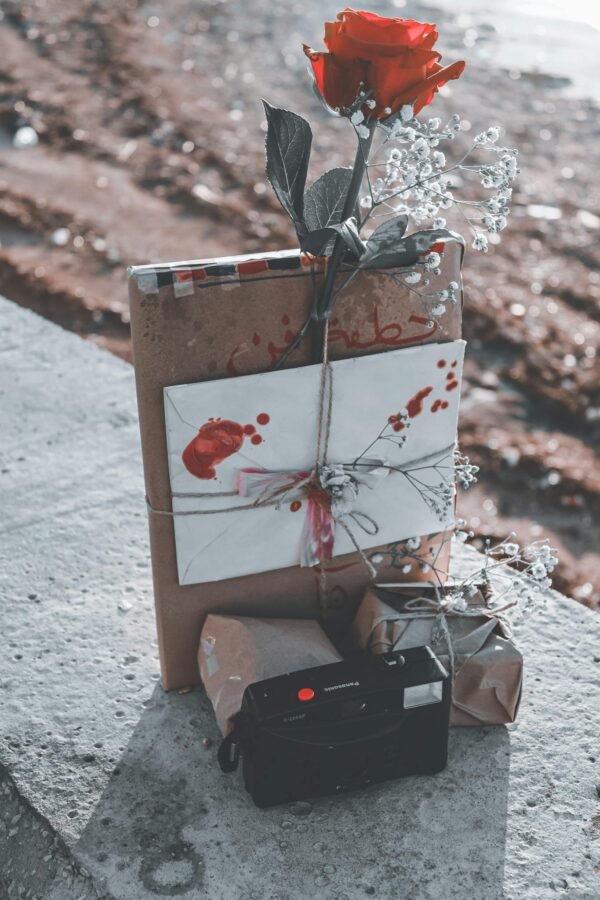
x=388, y=335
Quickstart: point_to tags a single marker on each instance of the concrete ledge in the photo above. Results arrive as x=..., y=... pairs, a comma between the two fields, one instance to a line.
x=107, y=790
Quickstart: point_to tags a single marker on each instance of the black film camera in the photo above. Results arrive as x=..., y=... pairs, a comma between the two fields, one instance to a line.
x=341, y=726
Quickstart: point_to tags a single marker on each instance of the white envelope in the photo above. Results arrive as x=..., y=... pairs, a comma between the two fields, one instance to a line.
x=270, y=422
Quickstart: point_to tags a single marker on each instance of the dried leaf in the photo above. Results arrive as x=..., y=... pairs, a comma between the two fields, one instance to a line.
x=407, y=251
x=324, y=201
x=319, y=241
x=386, y=238
x=289, y=139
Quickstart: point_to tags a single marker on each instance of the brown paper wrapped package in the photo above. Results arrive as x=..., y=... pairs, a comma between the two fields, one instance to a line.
x=488, y=667
x=219, y=327
x=235, y=652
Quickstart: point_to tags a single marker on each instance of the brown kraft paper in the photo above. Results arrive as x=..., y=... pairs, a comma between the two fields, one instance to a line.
x=237, y=651
x=188, y=327
x=488, y=668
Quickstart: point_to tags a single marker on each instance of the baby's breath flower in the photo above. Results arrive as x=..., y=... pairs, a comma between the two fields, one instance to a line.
x=431, y=261
x=538, y=571
x=421, y=148
x=480, y=242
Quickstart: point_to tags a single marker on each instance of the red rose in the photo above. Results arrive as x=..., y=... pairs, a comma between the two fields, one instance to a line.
x=391, y=58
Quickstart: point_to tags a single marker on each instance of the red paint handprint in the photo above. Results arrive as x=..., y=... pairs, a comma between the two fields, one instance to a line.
x=216, y=440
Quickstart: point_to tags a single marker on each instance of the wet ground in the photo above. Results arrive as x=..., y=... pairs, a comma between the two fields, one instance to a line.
x=150, y=147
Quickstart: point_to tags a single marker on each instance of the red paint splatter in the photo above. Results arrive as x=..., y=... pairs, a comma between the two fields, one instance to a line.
x=285, y=320
x=256, y=339
x=441, y=363
x=263, y=418
x=436, y=405
x=216, y=440
x=451, y=376
x=256, y=439
x=289, y=336
x=231, y=366
x=295, y=505
x=415, y=404
x=454, y=364
x=452, y=385
x=249, y=429
x=396, y=422
x=444, y=404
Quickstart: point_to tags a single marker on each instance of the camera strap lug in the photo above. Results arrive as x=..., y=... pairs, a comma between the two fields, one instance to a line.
x=229, y=750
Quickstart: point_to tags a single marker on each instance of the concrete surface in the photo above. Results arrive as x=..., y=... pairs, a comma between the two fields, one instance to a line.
x=106, y=788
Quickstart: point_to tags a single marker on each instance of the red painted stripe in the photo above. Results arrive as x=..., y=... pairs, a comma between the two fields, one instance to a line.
x=253, y=266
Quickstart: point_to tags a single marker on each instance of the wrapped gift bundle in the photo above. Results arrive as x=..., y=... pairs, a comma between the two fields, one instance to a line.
x=298, y=409
x=476, y=644
x=236, y=651
x=206, y=336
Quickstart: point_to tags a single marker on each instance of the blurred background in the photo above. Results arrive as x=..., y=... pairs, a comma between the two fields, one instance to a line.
x=132, y=132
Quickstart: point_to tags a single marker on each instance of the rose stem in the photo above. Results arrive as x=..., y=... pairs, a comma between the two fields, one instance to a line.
x=324, y=310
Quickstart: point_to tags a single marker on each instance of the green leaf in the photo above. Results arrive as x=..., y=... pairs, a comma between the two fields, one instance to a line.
x=407, y=251
x=319, y=242
x=289, y=139
x=386, y=238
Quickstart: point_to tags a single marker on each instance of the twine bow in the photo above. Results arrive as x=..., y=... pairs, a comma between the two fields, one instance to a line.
x=330, y=492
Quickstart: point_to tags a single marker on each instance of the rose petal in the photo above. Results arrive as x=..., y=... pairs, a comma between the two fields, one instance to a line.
x=436, y=81
x=338, y=81
x=368, y=27
x=397, y=86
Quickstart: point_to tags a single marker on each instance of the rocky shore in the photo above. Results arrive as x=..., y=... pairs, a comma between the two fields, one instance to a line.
x=131, y=132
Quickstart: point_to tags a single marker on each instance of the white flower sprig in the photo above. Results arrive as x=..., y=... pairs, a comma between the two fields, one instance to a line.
x=534, y=563
x=415, y=179
x=465, y=471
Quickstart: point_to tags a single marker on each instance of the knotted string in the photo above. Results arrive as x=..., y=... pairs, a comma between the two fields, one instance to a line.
x=325, y=404
x=324, y=421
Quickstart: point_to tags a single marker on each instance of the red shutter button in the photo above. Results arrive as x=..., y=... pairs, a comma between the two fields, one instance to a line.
x=306, y=694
